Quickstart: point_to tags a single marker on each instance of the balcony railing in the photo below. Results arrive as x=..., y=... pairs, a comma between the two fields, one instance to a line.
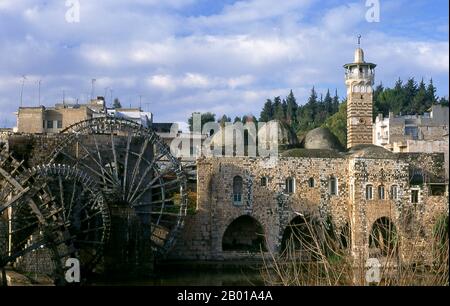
x=368, y=75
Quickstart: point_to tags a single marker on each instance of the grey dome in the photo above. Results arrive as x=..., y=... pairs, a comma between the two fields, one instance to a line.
x=321, y=138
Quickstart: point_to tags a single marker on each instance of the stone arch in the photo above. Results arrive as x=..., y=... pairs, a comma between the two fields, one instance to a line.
x=298, y=237
x=383, y=238
x=244, y=233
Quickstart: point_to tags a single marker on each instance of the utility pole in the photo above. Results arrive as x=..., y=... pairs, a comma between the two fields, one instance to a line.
x=140, y=102
x=21, y=91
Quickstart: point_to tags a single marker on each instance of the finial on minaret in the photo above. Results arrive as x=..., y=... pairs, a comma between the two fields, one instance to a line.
x=359, y=40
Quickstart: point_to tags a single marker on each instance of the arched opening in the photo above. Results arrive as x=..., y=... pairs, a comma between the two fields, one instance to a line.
x=383, y=239
x=333, y=186
x=298, y=237
x=311, y=182
x=237, y=190
x=244, y=234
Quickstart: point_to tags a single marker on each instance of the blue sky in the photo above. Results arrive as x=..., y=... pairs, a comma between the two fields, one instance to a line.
x=210, y=55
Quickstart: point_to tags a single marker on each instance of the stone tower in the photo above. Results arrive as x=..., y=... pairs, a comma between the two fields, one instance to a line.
x=359, y=79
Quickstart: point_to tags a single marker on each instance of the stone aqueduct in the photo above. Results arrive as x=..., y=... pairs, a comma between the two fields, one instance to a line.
x=138, y=204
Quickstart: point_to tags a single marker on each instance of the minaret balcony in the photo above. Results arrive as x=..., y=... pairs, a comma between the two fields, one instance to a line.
x=360, y=75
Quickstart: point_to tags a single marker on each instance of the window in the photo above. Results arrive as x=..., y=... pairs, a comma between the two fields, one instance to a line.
x=437, y=190
x=381, y=192
x=290, y=185
x=311, y=182
x=43, y=124
x=412, y=131
x=264, y=181
x=59, y=124
x=394, y=192
x=369, y=192
x=237, y=190
x=415, y=196
x=49, y=124
x=333, y=186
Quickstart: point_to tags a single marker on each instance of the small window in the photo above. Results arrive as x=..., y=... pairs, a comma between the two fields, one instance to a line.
x=381, y=192
x=394, y=192
x=237, y=190
x=59, y=124
x=43, y=124
x=290, y=185
x=311, y=182
x=414, y=196
x=333, y=186
x=49, y=124
x=369, y=192
x=264, y=181
x=437, y=190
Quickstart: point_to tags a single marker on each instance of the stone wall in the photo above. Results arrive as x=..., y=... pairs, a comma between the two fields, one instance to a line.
x=269, y=205
x=274, y=209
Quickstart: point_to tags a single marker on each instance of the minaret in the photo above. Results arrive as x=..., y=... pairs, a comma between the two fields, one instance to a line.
x=359, y=79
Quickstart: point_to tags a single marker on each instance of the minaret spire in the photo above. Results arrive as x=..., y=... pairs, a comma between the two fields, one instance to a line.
x=359, y=41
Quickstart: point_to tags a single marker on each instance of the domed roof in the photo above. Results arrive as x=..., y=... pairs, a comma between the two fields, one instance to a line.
x=320, y=139
x=286, y=136
x=371, y=151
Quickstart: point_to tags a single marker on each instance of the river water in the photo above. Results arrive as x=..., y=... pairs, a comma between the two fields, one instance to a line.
x=195, y=275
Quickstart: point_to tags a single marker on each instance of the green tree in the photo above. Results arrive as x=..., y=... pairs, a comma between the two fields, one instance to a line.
x=337, y=124
x=291, y=110
x=335, y=102
x=223, y=120
x=116, y=103
x=431, y=94
x=267, y=112
x=419, y=102
x=278, y=109
x=328, y=101
x=204, y=118
x=410, y=91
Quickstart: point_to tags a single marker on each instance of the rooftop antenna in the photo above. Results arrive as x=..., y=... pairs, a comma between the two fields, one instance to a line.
x=93, y=88
x=359, y=40
x=140, y=102
x=64, y=97
x=21, y=91
x=147, y=107
x=106, y=93
x=39, y=92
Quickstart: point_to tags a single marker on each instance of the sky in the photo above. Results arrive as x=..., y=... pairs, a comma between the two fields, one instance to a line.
x=175, y=57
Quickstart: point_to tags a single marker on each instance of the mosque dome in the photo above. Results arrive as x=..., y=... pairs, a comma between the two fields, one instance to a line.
x=321, y=139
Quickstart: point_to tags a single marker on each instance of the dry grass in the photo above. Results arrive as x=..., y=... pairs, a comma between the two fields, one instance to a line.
x=316, y=255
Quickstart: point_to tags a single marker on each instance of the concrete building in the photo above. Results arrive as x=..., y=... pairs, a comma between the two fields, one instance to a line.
x=427, y=133
x=51, y=120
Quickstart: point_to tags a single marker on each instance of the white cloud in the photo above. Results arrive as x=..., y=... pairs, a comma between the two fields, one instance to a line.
x=227, y=62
